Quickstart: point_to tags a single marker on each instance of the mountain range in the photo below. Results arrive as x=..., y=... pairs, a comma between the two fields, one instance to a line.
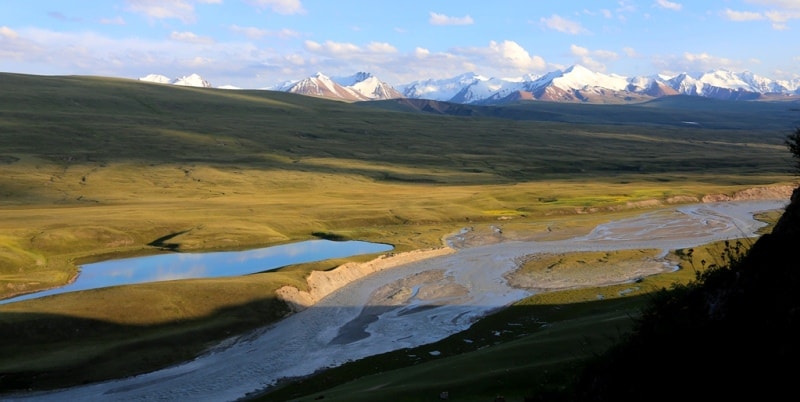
x=574, y=84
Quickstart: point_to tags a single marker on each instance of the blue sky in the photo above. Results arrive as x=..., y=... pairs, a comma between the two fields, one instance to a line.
x=259, y=43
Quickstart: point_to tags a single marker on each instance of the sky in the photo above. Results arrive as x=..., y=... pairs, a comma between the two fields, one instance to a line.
x=262, y=43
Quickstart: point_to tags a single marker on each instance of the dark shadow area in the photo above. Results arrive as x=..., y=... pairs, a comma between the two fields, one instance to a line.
x=75, y=351
x=162, y=244
x=465, y=364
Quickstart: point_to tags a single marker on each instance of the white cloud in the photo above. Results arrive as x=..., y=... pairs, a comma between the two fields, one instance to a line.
x=295, y=59
x=8, y=33
x=379, y=47
x=258, y=33
x=332, y=49
x=164, y=9
x=441, y=19
x=695, y=62
x=561, y=24
x=286, y=7
x=781, y=18
x=593, y=59
x=250, y=32
x=779, y=14
x=190, y=37
x=742, y=15
x=669, y=5
x=512, y=54
x=782, y=4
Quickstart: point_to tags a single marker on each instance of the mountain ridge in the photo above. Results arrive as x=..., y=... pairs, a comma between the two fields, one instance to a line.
x=573, y=84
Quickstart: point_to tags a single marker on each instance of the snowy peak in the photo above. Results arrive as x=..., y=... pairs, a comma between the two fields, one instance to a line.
x=573, y=84
x=320, y=85
x=193, y=80
x=441, y=89
x=157, y=78
x=369, y=86
x=579, y=77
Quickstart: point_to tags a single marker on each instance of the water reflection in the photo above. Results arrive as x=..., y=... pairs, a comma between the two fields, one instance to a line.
x=207, y=265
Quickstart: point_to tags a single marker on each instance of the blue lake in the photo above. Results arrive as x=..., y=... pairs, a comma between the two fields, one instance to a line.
x=164, y=267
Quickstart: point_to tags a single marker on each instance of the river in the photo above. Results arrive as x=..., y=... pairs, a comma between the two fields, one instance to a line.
x=405, y=306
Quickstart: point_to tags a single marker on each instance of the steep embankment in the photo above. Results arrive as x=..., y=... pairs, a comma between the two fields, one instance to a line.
x=323, y=283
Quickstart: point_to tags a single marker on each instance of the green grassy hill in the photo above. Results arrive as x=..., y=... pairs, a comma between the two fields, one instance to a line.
x=95, y=168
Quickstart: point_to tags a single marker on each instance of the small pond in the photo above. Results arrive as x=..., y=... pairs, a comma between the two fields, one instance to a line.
x=172, y=266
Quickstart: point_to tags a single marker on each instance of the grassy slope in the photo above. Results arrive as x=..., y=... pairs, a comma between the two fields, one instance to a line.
x=92, y=168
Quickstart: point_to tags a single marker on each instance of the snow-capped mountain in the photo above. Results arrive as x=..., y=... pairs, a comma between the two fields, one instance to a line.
x=440, y=90
x=579, y=84
x=574, y=84
x=369, y=86
x=357, y=87
x=193, y=80
x=321, y=85
x=157, y=78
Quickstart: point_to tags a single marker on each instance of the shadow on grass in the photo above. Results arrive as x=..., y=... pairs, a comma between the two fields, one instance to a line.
x=162, y=244
x=519, y=351
x=50, y=351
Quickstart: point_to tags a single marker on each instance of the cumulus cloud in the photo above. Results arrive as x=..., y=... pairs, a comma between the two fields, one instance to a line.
x=695, y=62
x=286, y=7
x=335, y=52
x=505, y=58
x=167, y=9
x=669, y=5
x=257, y=33
x=514, y=55
x=381, y=47
x=190, y=37
x=782, y=4
x=332, y=49
x=49, y=52
x=742, y=15
x=561, y=24
x=8, y=33
x=779, y=19
x=593, y=59
x=779, y=14
x=441, y=19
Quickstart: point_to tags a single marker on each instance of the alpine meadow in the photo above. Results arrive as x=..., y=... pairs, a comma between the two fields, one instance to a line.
x=95, y=169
